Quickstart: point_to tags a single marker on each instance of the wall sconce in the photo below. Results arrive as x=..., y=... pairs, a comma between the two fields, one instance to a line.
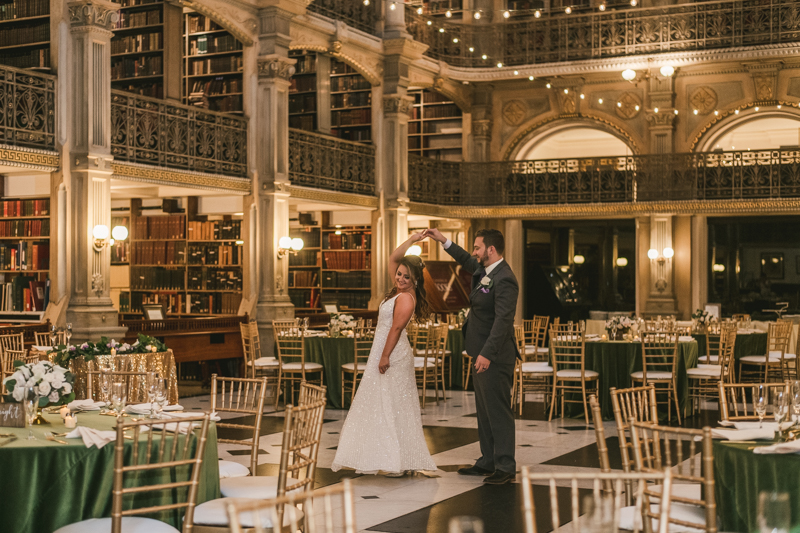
x=622, y=261
x=718, y=268
x=579, y=259
x=414, y=249
x=662, y=257
x=287, y=245
x=101, y=240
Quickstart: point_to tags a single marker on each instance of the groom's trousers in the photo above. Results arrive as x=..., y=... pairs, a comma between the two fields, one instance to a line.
x=496, y=428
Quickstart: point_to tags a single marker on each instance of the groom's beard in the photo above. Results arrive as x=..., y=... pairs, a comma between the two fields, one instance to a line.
x=482, y=259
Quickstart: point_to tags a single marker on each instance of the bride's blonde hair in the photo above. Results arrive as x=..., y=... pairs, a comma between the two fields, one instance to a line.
x=416, y=268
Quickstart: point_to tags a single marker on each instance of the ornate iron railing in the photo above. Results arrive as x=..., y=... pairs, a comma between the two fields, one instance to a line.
x=612, y=33
x=157, y=132
x=352, y=12
x=645, y=178
x=324, y=162
x=27, y=108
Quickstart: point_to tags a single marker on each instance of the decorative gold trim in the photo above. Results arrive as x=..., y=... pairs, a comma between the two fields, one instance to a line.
x=179, y=178
x=319, y=195
x=335, y=52
x=688, y=207
x=29, y=158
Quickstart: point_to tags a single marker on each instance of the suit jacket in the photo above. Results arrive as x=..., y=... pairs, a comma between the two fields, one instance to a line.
x=489, y=328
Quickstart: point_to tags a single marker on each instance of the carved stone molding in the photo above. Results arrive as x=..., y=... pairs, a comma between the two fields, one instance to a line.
x=397, y=104
x=165, y=176
x=276, y=68
x=567, y=102
x=628, y=105
x=97, y=14
x=704, y=100
x=17, y=156
x=765, y=86
x=333, y=196
x=482, y=128
x=666, y=118
x=514, y=112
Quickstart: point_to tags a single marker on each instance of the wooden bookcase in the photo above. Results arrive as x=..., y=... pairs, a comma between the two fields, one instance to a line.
x=333, y=267
x=435, y=127
x=137, y=48
x=351, y=103
x=187, y=263
x=303, y=92
x=212, y=66
x=25, y=34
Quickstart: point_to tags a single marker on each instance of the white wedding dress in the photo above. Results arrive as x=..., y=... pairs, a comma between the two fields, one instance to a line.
x=383, y=430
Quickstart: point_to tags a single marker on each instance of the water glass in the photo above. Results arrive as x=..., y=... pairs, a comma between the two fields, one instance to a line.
x=761, y=400
x=796, y=401
x=774, y=512
x=53, y=336
x=31, y=405
x=118, y=397
x=105, y=382
x=151, y=384
x=780, y=406
x=68, y=333
x=465, y=524
x=161, y=395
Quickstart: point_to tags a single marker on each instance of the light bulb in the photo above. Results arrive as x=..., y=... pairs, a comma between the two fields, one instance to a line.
x=716, y=112
x=676, y=111
x=100, y=232
x=548, y=85
x=718, y=268
x=655, y=110
x=566, y=91
x=516, y=73
x=667, y=71
x=602, y=7
x=285, y=243
x=599, y=100
x=297, y=244
x=366, y=2
x=530, y=78
x=736, y=112
x=669, y=253
x=779, y=106
x=537, y=13
x=582, y=96
x=414, y=249
x=477, y=15
x=628, y=74
x=568, y=10
x=419, y=11
x=484, y=57
x=448, y=13
x=619, y=104
x=506, y=14
x=455, y=39
x=120, y=233
x=392, y=6
x=695, y=111
x=441, y=30
x=633, y=3
x=756, y=108
x=652, y=253
x=578, y=259
x=636, y=107
x=499, y=65
x=471, y=49
x=622, y=261
x=430, y=23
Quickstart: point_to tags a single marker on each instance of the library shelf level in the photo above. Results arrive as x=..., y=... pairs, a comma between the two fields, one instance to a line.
x=137, y=48
x=435, y=128
x=190, y=264
x=25, y=34
x=334, y=267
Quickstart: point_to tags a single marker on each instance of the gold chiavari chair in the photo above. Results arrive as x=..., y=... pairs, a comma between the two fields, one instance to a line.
x=43, y=338
x=131, y=380
x=302, y=428
x=660, y=366
x=425, y=365
x=311, y=393
x=532, y=377
x=703, y=379
x=7, y=359
x=659, y=448
x=438, y=336
x=160, y=451
x=328, y=510
x=243, y=397
x=713, y=339
x=736, y=400
x=599, y=434
x=254, y=364
x=292, y=365
x=15, y=341
x=637, y=403
x=568, y=348
x=773, y=365
x=606, y=487
x=352, y=372
x=535, y=338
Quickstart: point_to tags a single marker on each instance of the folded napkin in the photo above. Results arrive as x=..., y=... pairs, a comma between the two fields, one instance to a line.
x=743, y=434
x=144, y=408
x=773, y=426
x=85, y=405
x=42, y=348
x=685, y=338
x=781, y=447
x=92, y=437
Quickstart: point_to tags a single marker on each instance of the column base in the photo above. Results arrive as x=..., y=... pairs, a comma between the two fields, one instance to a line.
x=265, y=313
x=661, y=306
x=89, y=323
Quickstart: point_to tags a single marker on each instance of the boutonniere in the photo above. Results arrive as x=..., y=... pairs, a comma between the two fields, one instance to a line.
x=486, y=284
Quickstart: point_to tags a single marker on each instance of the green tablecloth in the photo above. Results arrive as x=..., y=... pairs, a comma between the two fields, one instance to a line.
x=50, y=485
x=740, y=475
x=616, y=360
x=331, y=353
x=747, y=344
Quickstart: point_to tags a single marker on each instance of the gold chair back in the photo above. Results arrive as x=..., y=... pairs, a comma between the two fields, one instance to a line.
x=290, y=340
x=567, y=347
x=736, y=400
x=302, y=428
x=310, y=393
x=637, y=403
x=43, y=338
x=242, y=397
x=599, y=434
x=14, y=341
x=659, y=352
x=251, y=345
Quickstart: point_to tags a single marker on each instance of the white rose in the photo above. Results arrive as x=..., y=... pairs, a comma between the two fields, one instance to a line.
x=59, y=370
x=44, y=388
x=48, y=377
x=54, y=397
x=19, y=393
x=486, y=280
x=67, y=388
x=26, y=371
x=57, y=381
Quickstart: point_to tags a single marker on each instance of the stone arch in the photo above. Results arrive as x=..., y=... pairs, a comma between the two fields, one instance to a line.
x=440, y=86
x=535, y=133
x=243, y=29
x=336, y=50
x=729, y=120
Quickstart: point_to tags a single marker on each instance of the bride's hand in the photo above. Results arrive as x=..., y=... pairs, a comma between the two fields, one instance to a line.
x=419, y=236
x=383, y=365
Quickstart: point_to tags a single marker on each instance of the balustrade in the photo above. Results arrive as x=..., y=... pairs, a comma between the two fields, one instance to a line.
x=324, y=162
x=352, y=12
x=27, y=108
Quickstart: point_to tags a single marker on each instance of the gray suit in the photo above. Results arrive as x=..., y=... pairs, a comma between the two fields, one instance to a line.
x=489, y=331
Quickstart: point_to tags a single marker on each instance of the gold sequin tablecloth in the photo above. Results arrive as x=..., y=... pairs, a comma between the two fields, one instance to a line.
x=161, y=362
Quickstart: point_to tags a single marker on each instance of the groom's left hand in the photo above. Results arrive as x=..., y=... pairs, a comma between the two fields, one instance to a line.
x=481, y=364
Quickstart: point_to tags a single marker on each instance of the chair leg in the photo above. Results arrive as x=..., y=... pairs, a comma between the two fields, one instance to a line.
x=677, y=403
x=424, y=385
x=342, y=396
x=585, y=405
x=553, y=399
x=278, y=389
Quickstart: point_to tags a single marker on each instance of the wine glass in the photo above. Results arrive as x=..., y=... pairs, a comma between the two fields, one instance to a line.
x=68, y=333
x=53, y=336
x=796, y=401
x=151, y=392
x=780, y=405
x=105, y=383
x=161, y=395
x=760, y=402
x=118, y=396
x=774, y=513
x=31, y=405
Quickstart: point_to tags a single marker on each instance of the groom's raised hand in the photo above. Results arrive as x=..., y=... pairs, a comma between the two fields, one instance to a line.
x=435, y=234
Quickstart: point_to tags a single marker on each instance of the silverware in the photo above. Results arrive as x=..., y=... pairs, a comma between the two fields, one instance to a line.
x=11, y=439
x=49, y=436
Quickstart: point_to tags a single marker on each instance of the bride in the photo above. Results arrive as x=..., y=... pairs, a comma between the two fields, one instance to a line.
x=383, y=430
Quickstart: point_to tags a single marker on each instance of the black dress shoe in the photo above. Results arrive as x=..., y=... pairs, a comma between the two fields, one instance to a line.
x=474, y=471
x=500, y=478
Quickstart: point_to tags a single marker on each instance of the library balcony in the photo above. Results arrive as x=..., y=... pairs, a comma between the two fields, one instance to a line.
x=362, y=15
x=159, y=133
x=717, y=176
x=325, y=162
x=27, y=109
x=596, y=35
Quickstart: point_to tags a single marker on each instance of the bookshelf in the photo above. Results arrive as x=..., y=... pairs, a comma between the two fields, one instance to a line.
x=303, y=92
x=25, y=34
x=439, y=8
x=212, y=66
x=24, y=258
x=435, y=127
x=351, y=103
x=188, y=263
x=137, y=48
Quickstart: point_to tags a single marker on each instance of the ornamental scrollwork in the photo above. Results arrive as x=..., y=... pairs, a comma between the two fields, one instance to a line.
x=276, y=68
x=397, y=104
x=91, y=13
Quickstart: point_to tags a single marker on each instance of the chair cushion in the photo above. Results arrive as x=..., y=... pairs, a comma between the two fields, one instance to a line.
x=536, y=368
x=628, y=517
x=130, y=524
x=759, y=359
x=349, y=366
x=465, y=354
x=259, y=487
x=419, y=362
x=577, y=374
x=310, y=367
x=652, y=375
x=709, y=359
x=264, y=361
x=789, y=356
x=705, y=371
x=232, y=469
x=215, y=513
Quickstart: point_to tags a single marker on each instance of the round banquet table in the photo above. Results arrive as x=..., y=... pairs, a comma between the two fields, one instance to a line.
x=746, y=344
x=739, y=477
x=50, y=485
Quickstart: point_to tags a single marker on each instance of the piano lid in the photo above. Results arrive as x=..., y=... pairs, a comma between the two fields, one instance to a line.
x=448, y=286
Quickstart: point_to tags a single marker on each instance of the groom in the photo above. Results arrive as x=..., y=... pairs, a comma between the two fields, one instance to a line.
x=489, y=339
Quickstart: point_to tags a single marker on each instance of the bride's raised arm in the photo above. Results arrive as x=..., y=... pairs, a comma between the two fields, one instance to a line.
x=400, y=252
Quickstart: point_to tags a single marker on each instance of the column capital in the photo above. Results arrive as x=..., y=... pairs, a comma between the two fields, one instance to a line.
x=397, y=104
x=93, y=15
x=664, y=119
x=482, y=128
x=275, y=67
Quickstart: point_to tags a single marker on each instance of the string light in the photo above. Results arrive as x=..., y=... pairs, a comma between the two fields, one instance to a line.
x=655, y=110
x=756, y=108
x=430, y=22
x=566, y=91
x=602, y=7
x=366, y=2
x=530, y=78
x=441, y=30
x=619, y=104
x=779, y=106
x=676, y=111
x=716, y=112
x=484, y=57
x=477, y=15
x=392, y=6
x=516, y=73
x=636, y=107
x=695, y=111
x=736, y=112
x=506, y=14
x=599, y=100
x=448, y=13
x=548, y=85
x=582, y=96
x=499, y=65
x=471, y=49
x=537, y=13
x=455, y=40
x=568, y=10
x=419, y=11
x=633, y=3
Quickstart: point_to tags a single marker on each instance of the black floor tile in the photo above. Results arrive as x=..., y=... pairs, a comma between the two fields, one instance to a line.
x=442, y=438
x=451, y=468
x=587, y=456
x=324, y=476
x=530, y=411
x=702, y=419
x=269, y=426
x=499, y=507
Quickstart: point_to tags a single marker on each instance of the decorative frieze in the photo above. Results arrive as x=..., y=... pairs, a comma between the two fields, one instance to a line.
x=276, y=68
x=96, y=14
x=393, y=104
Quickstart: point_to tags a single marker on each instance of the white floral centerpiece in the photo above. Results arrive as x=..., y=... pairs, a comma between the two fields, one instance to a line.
x=341, y=324
x=618, y=326
x=52, y=383
x=701, y=319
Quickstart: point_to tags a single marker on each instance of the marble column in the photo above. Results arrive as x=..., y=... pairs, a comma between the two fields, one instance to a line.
x=699, y=261
x=514, y=235
x=87, y=184
x=661, y=114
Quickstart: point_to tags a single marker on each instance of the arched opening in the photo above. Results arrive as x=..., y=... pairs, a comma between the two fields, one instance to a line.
x=575, y=141
x=762, y=133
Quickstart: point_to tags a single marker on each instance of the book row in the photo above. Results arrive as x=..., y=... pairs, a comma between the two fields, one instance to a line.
x=158, y=278
x=153, y=90
x=158, y=253
x=145, y=42
x=132, y=3
x=216, y=64
x=216, y=86
x=347, y=241
x=160, y=227
x=215, y=254
x=311, y=238
x=211, y=45
x=359, y=280
x=306, y=64
x=25, y=255
x=25, y=228
x=215, y=230
x=24, y=293
x=302, y=103
x=350, y=83
x=349, y=118
x=303, y=85
x=214, y=279
x=308, y=298
x=138, y=19
x=347, y=300
x=228, y=104
x=353, y=134
x=338, y=67
x=304, y=258
x=346, y=260
x=439, y=111
x=25, y=208
x=198, y=23
x=303, y=122
x=25, y=34
x=27, y=59
x=195, y=304
x=303, y=278
x=351, y=100
x=135, y=68
x=19, y=9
